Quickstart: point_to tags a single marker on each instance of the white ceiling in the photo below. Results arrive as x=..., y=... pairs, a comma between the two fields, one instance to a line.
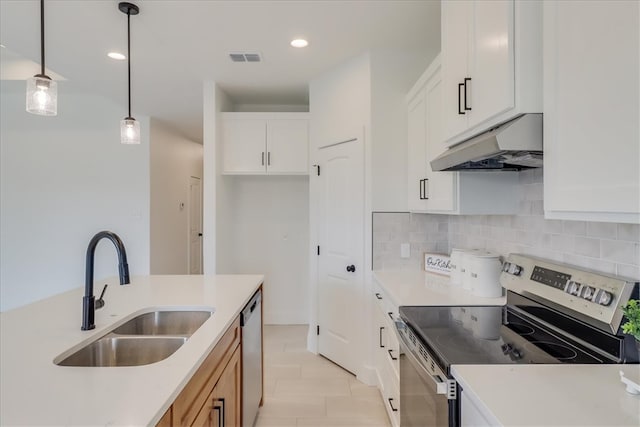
x=176, y=45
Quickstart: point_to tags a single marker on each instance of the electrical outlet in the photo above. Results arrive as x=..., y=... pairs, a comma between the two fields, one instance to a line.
x=405, y=250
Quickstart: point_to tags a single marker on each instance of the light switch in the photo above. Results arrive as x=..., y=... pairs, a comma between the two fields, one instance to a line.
x=405, y=250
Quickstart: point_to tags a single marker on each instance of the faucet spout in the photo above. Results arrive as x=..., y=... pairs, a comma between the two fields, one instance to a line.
x=88, y=301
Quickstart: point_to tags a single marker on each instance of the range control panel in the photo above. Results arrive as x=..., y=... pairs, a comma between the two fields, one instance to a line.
x=592, y=294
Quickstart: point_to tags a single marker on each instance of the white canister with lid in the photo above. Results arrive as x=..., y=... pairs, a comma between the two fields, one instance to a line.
x=484, y=274
x=465, y=267
x=456, y=266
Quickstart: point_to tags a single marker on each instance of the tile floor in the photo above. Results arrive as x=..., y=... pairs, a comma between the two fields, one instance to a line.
x=302, y=389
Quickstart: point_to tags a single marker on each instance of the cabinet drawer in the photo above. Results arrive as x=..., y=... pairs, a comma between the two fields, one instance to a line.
x=195, y=394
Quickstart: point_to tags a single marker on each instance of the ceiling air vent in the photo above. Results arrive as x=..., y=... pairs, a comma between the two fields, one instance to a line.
x=245, y=57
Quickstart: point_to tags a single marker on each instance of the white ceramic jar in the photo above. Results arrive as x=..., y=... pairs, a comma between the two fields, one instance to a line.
x=467, y=259
x=484, y=274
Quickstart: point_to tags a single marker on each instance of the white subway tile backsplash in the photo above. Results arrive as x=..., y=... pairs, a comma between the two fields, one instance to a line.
x=619, y=251
x=606, y=247
x=587, y=247
x=575, y=227
x=629, y=232
x=604, y=230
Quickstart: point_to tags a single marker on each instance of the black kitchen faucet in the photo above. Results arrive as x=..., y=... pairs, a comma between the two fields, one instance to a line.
x=89, y=300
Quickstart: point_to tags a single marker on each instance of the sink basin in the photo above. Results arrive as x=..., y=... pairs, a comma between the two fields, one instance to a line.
x=164, y=323
x=124, y=351
x=145, y=339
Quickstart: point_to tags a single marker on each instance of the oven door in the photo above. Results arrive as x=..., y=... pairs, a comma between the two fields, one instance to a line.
x=427, y=396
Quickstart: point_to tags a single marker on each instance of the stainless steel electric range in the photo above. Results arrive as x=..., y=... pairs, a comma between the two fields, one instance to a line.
x=554, y=314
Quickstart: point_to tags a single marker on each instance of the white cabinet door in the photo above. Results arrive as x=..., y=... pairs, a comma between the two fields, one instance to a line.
x=440, y=187
x=592, y=110
x=416, y=149
x=493, y=72
x=491, y=64
x=456, y=31
x=287, y=146
x=245, y=146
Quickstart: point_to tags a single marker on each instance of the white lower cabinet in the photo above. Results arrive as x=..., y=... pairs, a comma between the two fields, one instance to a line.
x=460, y=193
x=592, y=110
x=387, y=353
x=470, y=414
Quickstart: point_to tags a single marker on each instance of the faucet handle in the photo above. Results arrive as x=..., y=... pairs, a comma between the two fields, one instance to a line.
x=100, y=301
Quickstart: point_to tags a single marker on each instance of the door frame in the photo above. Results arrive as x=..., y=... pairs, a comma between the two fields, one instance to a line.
x=364, y=371
x=189, y=207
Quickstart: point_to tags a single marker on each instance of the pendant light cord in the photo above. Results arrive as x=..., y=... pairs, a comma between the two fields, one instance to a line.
x=128, y=55
x=42, y=37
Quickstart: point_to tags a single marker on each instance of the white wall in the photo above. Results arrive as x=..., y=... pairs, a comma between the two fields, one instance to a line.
x=270, y=236
x=393, y=73
x=174, y=160
x=63, y=179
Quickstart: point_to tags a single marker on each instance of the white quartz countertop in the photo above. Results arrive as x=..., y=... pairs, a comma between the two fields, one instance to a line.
x=422, y=288
x=35, y=391
x=552, y=395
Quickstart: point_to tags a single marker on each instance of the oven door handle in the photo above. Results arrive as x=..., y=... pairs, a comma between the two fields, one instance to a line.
x=443, y=384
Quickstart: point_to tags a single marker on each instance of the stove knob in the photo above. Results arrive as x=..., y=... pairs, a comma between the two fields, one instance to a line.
x=515, y=269
x=573, y=288
x=515, y=354
x=603, y=297
x=587, y=292
x=505, y=266
x=506, y=348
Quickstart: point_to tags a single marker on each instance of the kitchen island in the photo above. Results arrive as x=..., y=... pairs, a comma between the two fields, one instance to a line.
x=35, y=391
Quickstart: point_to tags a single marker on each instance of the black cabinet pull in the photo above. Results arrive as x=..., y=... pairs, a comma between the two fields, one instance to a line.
x=381, y=328
x=269, y=152
x=219, y=409
x=391, y=355
x=391, y=405
x=423, y=189
x=263, y=158
x=224, y=421
x=460, y=86
x=378, y=296
x=466, y=107
x=390, y=315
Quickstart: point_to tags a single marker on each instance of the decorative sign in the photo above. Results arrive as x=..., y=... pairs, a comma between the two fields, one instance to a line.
x=437, y=263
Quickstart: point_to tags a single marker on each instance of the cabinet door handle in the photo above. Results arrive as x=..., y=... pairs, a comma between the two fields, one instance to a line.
x=460, y=86
x=466, y=107
x=391, y=355
x=219, y=410
x=378, y=296
x=391, y=405
x=224, y=421
x=381, y=328
x=423, y=189
x=263, y=158
x=268, y=158
x=390, y=313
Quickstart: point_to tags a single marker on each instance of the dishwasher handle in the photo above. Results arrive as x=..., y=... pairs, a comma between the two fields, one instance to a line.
x=250, y=308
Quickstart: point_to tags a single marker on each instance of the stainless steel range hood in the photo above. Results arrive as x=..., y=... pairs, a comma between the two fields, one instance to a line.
x=514, y=145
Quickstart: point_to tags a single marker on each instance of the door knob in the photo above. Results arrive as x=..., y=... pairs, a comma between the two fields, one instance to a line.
x=351, y=268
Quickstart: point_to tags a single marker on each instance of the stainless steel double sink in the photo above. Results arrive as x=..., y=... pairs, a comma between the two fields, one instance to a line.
x=146, y=338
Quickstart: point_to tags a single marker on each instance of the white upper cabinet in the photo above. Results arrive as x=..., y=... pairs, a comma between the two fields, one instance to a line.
x=491, y=64
x=592, y=110
x=447, y=192
x=265, y=143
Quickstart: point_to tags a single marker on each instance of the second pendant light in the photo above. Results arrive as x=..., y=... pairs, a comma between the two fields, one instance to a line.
x=129, y=127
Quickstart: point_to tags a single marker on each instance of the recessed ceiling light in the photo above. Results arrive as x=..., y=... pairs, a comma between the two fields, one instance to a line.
x=2, y=46
x=299, y=43
x=117, y=56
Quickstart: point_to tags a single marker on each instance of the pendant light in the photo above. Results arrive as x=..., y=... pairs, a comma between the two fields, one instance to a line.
x=42, y=92
x=129, y=127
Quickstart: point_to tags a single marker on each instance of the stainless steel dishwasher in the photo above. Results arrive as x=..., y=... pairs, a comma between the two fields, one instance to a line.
x=251, y=323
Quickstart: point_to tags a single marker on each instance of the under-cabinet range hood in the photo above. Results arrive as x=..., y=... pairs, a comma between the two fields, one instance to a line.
x=514, y=145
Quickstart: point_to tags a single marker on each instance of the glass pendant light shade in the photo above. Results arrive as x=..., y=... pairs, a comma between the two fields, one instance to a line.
x=129, y=131
x=42, y=96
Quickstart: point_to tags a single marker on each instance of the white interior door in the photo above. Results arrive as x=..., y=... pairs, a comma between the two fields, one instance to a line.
x=341, y=259
x=195, y=226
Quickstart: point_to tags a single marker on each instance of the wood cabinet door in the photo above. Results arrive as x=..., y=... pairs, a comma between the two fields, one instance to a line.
x=244, y=146
x=288, y=146
x=227, y=393
x=492, y=64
